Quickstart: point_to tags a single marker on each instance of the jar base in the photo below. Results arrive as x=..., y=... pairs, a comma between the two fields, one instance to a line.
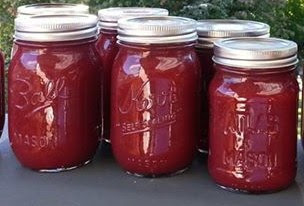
x=63, y=169
x=158, y=175
x=235, y=190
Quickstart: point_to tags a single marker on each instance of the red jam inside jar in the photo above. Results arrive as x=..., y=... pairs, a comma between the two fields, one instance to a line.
x=210, y=31
x=154, y=97
x=54, y=92
x=253, y=115
x=108, y=49
x=205, y=58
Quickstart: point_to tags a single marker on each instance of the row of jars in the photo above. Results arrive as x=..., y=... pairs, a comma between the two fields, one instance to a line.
x=157, y=88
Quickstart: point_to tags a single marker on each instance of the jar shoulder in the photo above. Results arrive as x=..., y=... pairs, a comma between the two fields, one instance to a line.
x=106, y=41
x=132, y=61
x=224, y=84
x=54, y=58
x=107, y=49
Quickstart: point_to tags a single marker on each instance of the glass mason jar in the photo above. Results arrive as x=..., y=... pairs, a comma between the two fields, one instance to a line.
x=253, y=114
x=54, y=92
x=108, y=48
x=154, y=95
x=210, y=31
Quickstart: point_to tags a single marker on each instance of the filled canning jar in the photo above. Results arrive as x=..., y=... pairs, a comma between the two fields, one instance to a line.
x=108, y=47
x=154, y=95
x=54, y=91
x=253, y=114
x=210, y=31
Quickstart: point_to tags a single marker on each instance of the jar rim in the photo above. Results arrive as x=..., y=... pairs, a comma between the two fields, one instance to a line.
x=228, y=28
x=258, y=53
x=57, y=43
x=161, y=46
x=203, y=42
x=211, y=30
x=51, y=8
x=264, y=65
x=108, y=18
x=61, y=27
x=157, y=30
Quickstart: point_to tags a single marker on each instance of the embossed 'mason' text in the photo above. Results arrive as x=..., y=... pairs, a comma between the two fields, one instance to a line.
x=34, y=141
x=254, y=127
x=250, y=159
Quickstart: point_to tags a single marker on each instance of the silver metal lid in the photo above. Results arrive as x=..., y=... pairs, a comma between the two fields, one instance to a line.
x=212, y=30
x=52, y=8
x=255, y=53
x=52, y=28
x=110, y=16
x=157, y=30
